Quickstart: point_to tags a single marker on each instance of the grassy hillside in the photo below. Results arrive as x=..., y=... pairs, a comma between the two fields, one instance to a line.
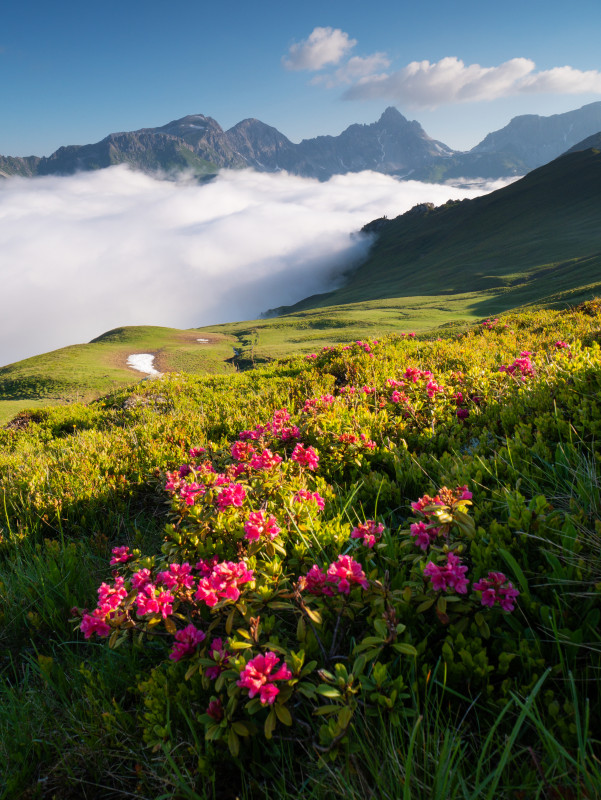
x=372, y=572
x=86, y=371
x=537, y=240
x=83, y=372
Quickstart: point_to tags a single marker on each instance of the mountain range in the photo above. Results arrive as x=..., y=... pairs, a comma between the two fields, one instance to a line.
x=393, y=145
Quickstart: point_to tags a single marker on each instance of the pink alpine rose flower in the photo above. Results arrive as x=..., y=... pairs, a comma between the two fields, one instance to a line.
x=223, y=583
x=259, y=677
x=424, y=534
x=187, y=640
x=496, y=588
x=345, y=573
x=370, y=531
x=177, y=577
x=304, y=495
x=120, y=555
x=451, y=576
x=221, y=656
x=259, y=525
x=152, y=600
x=316, y=582
x=305, y=456
x=233, y=495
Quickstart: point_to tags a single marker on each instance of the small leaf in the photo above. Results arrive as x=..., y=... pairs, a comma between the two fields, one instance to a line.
x=425, y=605
x=191, y=670
x=283, y=714
x=233, y=742
x=270, y=724
x=229, y=623
x=240, y=728
x=406, y=649
x=345, y=716
x=313, y=615
x=327, y=691
x=170, y=626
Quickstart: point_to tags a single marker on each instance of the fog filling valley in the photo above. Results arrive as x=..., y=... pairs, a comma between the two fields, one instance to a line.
x=80, y=255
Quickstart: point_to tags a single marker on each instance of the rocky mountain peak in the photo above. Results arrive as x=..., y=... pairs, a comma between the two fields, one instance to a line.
x=392, y=116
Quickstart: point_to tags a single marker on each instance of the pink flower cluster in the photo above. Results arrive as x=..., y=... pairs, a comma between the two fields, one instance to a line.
x=109, y=600
x=496, y=588
x=259, y=525
x=424, y=534
x=223, y=583
x=521, y=366
x=451, y=576
x=445, y=497
x=304, y=495
x=232, y=495
x=177, y=577
x=432, y=388
x=276, y=428
x=341, y=576
x=242, y=451
x=265, y=460
x=259, y=677
x=399, y=397
x=313, y=404
x=120, y=555
x=220, y=656
x=361, y=440
x=370, y=531
x=414, y=374
x=186, y=642
x=305, y=456
x=152, y=600
x=490, y=323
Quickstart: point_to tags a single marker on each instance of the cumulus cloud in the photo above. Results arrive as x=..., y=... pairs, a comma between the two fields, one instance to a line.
x=355, y=68
x=425, y=84
x=83, y=254
x=324, y=46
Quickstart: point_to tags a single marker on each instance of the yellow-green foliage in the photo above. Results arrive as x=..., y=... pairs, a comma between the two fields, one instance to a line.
x=509, y=410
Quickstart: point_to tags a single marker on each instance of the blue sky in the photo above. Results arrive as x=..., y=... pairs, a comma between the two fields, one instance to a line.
x=72, y=72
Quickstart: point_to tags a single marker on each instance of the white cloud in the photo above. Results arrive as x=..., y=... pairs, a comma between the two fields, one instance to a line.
x=355, y=68
x=83, y=254
x=324, y=46
x=425, y=84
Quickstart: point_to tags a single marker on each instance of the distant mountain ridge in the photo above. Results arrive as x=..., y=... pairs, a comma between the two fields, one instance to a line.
x=392, y=145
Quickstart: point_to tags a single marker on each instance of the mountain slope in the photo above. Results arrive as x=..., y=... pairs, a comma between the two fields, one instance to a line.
x=537, y=140
x=538, y=236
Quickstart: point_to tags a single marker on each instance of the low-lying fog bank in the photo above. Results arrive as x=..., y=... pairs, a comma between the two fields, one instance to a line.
x=82, y=254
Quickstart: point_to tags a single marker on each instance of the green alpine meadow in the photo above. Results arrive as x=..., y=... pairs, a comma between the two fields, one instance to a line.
x=367, y=568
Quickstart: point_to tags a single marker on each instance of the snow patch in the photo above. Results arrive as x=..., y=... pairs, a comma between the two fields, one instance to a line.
x=203, y=341
x=142, y=362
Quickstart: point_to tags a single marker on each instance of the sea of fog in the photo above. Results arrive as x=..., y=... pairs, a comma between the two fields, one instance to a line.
x=80, y=255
